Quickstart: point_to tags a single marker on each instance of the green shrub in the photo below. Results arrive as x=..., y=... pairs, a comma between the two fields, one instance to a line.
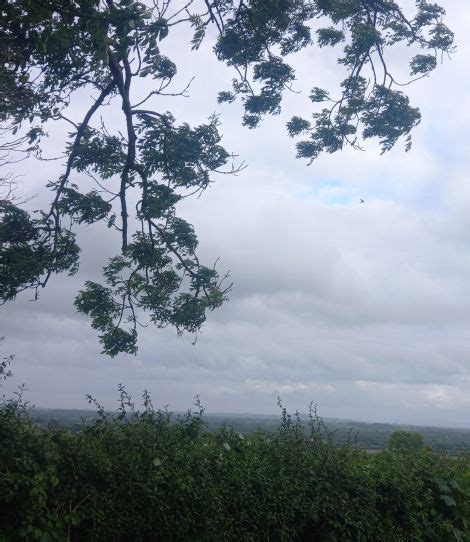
x=145, y=476
x=405, y=441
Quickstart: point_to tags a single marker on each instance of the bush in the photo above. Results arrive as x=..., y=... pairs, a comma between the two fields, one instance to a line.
x=147, y=475
x=405, y=441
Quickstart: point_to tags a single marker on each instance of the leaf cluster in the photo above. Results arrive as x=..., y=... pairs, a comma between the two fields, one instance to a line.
x=25, y=257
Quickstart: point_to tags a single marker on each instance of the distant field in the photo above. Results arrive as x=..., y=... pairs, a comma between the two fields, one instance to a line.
x=372, y=436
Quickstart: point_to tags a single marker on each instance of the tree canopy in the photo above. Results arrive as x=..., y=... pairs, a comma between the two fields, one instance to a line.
x=50, y=49
x=405, y=441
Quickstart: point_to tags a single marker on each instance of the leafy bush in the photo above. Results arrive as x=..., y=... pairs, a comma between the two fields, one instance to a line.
x=150, y=476
x=405, y=441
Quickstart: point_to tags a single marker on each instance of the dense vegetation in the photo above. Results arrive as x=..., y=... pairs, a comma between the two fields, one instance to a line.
x=141, y=476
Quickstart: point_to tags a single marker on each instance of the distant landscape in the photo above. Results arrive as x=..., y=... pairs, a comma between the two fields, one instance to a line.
x=371, y=436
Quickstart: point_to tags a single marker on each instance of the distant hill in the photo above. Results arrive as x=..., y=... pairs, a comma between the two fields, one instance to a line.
x=372, y=436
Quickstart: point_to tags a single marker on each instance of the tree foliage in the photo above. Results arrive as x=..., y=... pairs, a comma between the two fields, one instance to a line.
x=405, y=441
x=51, y=49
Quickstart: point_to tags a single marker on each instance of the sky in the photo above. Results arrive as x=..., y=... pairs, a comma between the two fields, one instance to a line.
x=362, y=308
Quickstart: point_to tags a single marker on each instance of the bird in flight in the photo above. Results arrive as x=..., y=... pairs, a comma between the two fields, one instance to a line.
x=362, y=201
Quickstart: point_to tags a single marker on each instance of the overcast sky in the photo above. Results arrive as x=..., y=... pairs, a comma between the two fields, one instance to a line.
x=361, y=308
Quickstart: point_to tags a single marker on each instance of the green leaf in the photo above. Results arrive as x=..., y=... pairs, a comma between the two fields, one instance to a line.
x=450, y=501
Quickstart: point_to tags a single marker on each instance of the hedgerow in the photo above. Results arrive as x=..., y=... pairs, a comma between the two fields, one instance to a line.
x=146, y=475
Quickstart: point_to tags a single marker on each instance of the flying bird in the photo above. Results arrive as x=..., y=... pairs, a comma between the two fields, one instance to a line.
x=362, y=201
